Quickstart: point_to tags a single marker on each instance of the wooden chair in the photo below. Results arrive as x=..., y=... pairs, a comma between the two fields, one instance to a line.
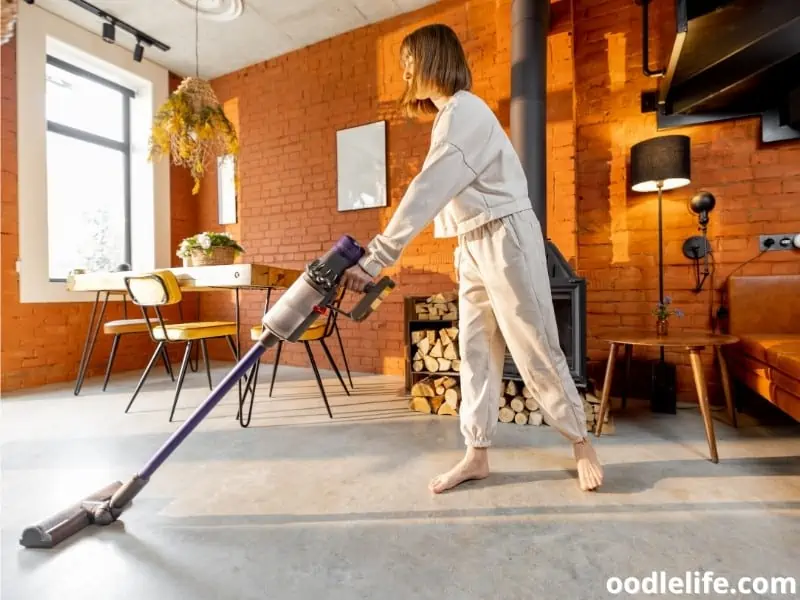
x=160, y=288
x=319, y=331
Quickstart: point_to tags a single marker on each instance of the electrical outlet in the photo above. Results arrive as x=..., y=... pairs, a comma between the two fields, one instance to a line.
x=778, y=241
x=648, y=101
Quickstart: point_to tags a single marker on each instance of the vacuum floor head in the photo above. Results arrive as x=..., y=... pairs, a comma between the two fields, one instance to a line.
x=55, y=529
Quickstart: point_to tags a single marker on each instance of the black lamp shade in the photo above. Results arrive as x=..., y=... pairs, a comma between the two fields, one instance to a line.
x=662, y=160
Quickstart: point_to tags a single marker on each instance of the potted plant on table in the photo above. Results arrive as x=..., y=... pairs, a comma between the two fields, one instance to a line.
x=209, y=248
x=662, y=312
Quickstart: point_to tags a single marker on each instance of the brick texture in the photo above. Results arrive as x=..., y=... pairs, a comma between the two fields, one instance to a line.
x=42, y=343
x=288, y=110
x=756, y=189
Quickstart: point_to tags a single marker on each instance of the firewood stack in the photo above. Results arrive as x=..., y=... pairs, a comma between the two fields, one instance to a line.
x=442, y=396
x=517, y=405
x=439, y=307
x=435, y=350
x=591, y=405
x=436, y=395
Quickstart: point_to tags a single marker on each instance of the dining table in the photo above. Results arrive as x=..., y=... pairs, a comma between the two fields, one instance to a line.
x=235, y=277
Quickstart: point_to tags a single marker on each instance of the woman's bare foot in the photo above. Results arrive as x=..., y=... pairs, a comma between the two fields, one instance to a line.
x=590, y=472
x=474, y=465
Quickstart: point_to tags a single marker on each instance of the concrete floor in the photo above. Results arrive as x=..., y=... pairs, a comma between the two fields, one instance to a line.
x=302, y=507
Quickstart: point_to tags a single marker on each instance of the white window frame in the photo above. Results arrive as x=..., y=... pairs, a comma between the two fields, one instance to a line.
x=122, y=145
x=40, y=33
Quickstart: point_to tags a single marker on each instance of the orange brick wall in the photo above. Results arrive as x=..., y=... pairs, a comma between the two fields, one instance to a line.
x=290, y=108
x=42, y=343
x=757, y=188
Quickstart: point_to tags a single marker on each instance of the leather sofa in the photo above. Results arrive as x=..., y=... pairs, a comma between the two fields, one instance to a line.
x=764, y=312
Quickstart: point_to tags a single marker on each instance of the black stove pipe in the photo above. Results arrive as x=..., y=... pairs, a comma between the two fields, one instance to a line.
x=530, y=22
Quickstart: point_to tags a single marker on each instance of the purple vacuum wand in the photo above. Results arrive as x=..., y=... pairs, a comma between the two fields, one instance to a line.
x=292, y=314
x=344, y=254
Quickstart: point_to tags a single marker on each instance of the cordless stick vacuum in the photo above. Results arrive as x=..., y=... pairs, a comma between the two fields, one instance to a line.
x=310, y=296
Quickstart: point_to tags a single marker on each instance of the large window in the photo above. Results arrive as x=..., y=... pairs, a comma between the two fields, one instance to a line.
x=88, y=171
x=89, y=198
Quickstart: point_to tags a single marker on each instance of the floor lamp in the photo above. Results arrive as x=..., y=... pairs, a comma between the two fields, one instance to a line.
x=660, y=164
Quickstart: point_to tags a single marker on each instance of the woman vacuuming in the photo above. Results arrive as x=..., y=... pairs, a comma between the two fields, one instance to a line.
x=472, y=185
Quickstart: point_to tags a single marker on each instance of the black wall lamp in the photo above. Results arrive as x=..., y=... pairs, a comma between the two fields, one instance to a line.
x=697, y=248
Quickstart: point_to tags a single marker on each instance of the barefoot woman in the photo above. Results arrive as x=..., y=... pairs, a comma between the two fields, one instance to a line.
x=473, y=187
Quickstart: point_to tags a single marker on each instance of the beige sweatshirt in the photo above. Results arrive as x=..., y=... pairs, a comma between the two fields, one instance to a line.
x=471, y=176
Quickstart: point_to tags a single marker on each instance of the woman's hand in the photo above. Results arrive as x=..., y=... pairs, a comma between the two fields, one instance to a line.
x=355, y=278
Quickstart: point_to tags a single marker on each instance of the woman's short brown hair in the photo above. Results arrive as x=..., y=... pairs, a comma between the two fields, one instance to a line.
x=439, y=62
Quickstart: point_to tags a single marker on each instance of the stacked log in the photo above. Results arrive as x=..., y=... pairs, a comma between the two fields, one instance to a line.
x=591, y=404
x=439, y=307
x=442, y=396
x=436, y=395
x=518, y=405
x=435, y=350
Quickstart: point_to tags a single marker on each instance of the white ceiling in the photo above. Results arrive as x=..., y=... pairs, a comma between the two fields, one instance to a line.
x=263, y=30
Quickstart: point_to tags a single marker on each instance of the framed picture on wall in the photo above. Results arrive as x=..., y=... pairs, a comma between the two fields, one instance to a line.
x=226, y=189
x=361, y=166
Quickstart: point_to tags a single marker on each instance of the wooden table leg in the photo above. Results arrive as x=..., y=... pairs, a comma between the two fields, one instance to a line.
x=612, y=357
x=702, y=396
x=726, y=386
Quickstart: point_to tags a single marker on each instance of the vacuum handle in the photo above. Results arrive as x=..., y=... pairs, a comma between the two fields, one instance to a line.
x=374, y=293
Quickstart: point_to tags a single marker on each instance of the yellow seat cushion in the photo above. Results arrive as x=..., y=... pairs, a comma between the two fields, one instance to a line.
x=315, y=332
x=195, y=331
x=128, y=326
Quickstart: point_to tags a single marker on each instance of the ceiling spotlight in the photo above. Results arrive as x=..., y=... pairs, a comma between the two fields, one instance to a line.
x=112, y=23
x=109, y=32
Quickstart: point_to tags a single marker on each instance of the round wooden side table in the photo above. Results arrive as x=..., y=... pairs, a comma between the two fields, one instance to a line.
x=694, y=343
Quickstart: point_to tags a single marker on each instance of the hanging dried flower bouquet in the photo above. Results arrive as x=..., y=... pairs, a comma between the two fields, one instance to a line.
x=8, y=19
x=192, y=128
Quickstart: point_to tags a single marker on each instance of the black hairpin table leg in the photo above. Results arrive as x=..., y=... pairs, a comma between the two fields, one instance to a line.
x=91, y=339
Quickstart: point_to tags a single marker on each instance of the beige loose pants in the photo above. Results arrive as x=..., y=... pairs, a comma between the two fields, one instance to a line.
x=505, y=300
